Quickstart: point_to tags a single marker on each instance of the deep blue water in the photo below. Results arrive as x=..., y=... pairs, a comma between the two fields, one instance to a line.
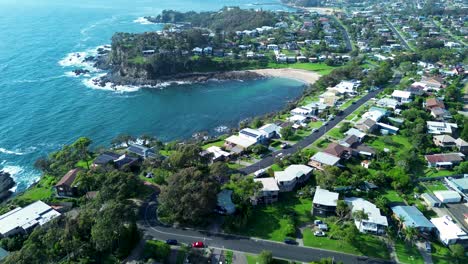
x=42, y=107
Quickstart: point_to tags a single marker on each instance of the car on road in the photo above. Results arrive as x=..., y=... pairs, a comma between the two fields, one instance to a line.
x=290, y=241
x=314, y=130
x=428, y=247
x=260, y=172
x=325, y=123
x=279, y=154
x=285, y=146
x=172, y=242
x=198, y=244
x=319, y=234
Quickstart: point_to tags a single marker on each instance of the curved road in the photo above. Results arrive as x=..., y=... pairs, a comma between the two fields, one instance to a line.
x=152, y=228
x=268, y=161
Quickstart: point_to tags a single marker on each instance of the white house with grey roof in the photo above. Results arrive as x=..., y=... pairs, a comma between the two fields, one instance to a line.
x=268, y=193
x=23, y=220
x=291, y=176
x=375, y=222
x=321, y=159
x=324, y=202
x=449, y=232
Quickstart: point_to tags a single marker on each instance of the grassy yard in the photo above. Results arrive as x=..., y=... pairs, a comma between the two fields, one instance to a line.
x=166, y=153
x=408, y=254
x=315, y=124
x=393, y=196
x=368, y=245
x=399, y=144
x=442, y=255
x=276, y=167
x=235, y=166
x=437, y=173
x=253, y=259
x=41, y=191
x=321, y=68
x=335, y=133
x=218, y=143
x=434, y=186
x=269, y=222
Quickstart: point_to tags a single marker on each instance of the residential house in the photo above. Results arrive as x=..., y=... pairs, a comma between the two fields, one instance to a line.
x=217, y=153
x=386, y=129
x=459, y=185
x=375, y=222
x=449, y=233
x=65, y=186
x=115, y=159
x=444, y=160
x=291, y=176
x=269, y=192
x=324, y=202
x=431, y=200
x=349, y=141
x=302, y=111
x=339, y=151
x=355, y=132
x=388, y=103
x=434, y=103
x=440, y=128
x=412, y=217
x=329, y=98
x=225, y=205
x=366, y=125
x=448, y=196
x=402, y=96
x=431, y=83
x=462, y=145
x=247, y=137
x=346, y=87
x=270, y=131
x=322, y=159
x=444, y=141
x=24, y=220
x=141, y=151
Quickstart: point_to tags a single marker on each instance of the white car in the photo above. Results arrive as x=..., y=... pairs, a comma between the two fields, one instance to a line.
x=319, y=233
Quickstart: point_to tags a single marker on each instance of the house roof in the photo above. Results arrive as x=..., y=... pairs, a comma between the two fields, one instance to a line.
x=68, y=178
x=445, y=139
x=270, y=128
x=292, y=172
x=371, y=209
x=355, y=132
x=349, y=141
x=461, y=143
x=105, y=158
x=240, y=141
x=35, y=213
x=269, y=184
x=217, y=152
x=325, y=197
x=412, y=216
x=434, y=102
x=325, y=158
x=140, y=150
x=448, y=229
x=336, y=149
x=430, y=198
x=401, y=94
x=445, y=157
x=447, y=195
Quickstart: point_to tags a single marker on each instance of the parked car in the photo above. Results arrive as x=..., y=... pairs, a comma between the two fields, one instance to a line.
x=314, y=130
x=260, y=172
x=325, y=123
x=323, y=227
x=171, y=242
x=198, y=244
x=428, y=247
x=319, y=233
x=284, y=145
x=290, y=241
x=318, y=222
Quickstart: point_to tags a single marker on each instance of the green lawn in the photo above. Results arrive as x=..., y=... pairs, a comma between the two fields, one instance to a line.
x=41, y=191
x=442, y=255
x=137, y=60
x=321, y=68
x=228, y=254
x=235, y=166
x=269, y=222
x=367, y=245
x=84, y=164
x=350, y=102
x=166, y=153
x=315, y=124
x=253, y=259
x=393, y=196
x=399, y=145
x=218, y=143
x=335, y=133
x=276, y=167
x=437, y=173
x=434, y=186
x=408, y=253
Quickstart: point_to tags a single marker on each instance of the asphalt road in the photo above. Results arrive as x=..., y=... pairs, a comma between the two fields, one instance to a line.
x=400, y=37
x=152, y=228
x=349, y=45
x=268, y=161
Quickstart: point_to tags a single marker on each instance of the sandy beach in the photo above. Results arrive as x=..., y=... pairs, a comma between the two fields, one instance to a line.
x=308, y=77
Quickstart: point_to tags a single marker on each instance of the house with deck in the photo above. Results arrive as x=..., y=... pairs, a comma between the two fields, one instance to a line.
x=410, y=216
x=324, y=202
x=439, y=128
x=269, y=192
x=402, y=97
x=65, y=186
x=444, y=160
x=322, y=159
x=375, y=222
x=448, y=232
x=291, y=176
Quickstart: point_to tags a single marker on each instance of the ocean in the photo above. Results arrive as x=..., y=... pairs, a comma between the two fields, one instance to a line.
x=43, y=106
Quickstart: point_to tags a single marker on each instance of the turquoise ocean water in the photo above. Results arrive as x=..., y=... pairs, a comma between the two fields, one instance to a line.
x=43, y=107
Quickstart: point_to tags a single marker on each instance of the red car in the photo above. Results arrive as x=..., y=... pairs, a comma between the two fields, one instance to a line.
x=198, y=244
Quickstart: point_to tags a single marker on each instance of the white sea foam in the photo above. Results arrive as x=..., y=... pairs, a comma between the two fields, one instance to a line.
x=143, y=21
x=11, y=152
x=20, y=175
x=221, y=129
x=91, y=83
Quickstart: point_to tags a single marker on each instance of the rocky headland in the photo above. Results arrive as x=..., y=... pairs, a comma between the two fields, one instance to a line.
x=6, y=183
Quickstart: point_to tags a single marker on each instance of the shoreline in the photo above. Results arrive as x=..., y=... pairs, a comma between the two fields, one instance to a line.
x=114, y=80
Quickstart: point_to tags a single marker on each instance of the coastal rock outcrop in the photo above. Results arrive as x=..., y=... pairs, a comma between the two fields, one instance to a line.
x=6, y=183
x=78, y=72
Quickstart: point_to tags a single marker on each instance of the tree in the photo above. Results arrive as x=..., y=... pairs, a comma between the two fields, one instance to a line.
x=410, y=234
x=360, y=215
x=464, y=133
x=157, y=250
x=265, y=257
x=244, y=188
x=462, y=168
x=345, y=126
x=186, y=155
x=220, y=171
x=81, y=145
x=259, y=149
x=287, y=132
x=256, y=122
x=381, y=202
x=122, y=139
x=342, y=210
x=351, y=234
x=189, y=197
x=327, y=178
x=458, y=251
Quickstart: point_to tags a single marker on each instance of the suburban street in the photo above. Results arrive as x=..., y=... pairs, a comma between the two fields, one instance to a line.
x=153, y=229
x=400, y=37
x=268, y=161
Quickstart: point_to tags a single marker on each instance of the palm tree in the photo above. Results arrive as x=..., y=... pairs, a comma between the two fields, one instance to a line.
x=382, y=203
x=360, y=215
x=410, y=234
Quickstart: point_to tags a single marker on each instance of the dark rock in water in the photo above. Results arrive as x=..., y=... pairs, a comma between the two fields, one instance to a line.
x=102, y=51
x=80, y=71
x=6, y=183
x=89, y=59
